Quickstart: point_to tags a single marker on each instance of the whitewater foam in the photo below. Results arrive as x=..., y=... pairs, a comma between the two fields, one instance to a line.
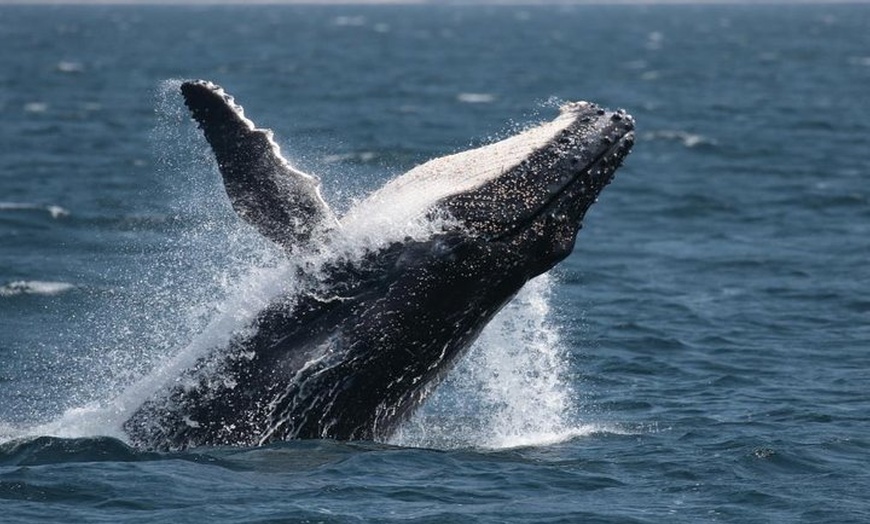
x=34, y=287
x=509, y=390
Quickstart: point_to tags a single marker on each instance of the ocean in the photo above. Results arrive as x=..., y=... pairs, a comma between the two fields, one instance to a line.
x=702, y=356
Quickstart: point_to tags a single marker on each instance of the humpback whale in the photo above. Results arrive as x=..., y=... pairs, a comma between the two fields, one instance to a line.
x=350, y=354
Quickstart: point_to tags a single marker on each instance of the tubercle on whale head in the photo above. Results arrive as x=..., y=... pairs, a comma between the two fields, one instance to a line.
x=538, y=205
x=558, y=225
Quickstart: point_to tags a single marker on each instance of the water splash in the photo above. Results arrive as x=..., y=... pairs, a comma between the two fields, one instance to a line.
x=189, y=282
x=509, y=390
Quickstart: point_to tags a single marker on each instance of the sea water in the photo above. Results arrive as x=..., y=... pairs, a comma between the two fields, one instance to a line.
x=703, y=355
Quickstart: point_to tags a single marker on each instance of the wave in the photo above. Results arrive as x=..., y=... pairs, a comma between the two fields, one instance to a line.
x=687, y=139
x=53, y=210
x=69, y=67
x=475, y=98
x=35, y=451
x=34, y=287
x=278, y=456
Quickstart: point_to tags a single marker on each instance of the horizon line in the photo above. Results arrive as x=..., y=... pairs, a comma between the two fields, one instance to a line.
x=516, y=3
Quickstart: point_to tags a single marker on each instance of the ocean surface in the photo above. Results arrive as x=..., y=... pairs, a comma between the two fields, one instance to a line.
x=703, y=356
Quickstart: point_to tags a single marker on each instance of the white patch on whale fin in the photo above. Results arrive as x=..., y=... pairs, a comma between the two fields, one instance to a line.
x=283, y=203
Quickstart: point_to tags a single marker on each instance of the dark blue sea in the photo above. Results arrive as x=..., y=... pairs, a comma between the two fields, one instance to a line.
x=702, y=356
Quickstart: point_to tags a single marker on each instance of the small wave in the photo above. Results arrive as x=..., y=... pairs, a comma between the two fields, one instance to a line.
x=34, y=287
x=689, y=140
x=445, y=435
x=35, y=107
x=547, y=438
x=54, y=211
x=69, y=67
x=475, y=98
x=568, y=433
x=650, y=75
x=349, y=21
x=361, y=157
x=34, y=451
x=655, y=40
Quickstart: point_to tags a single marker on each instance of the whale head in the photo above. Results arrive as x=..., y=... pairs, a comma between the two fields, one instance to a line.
x=530, y=191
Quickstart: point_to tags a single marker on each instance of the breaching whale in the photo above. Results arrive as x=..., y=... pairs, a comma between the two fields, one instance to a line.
x=351, y=354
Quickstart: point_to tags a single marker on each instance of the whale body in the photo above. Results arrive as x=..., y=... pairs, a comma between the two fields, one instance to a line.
x=350, y=354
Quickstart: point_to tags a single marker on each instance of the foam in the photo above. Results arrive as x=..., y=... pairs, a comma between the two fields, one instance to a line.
x=34, y=287
x=509, y=390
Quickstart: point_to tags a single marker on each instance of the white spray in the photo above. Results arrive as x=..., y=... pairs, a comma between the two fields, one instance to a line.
x=510, y=390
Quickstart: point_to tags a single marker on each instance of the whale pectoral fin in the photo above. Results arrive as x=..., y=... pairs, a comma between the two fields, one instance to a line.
x=284, y=204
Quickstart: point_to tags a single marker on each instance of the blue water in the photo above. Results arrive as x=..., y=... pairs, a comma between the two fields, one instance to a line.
x=703, y=356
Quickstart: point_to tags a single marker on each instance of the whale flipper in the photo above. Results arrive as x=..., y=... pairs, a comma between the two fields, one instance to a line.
x=283, y=203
